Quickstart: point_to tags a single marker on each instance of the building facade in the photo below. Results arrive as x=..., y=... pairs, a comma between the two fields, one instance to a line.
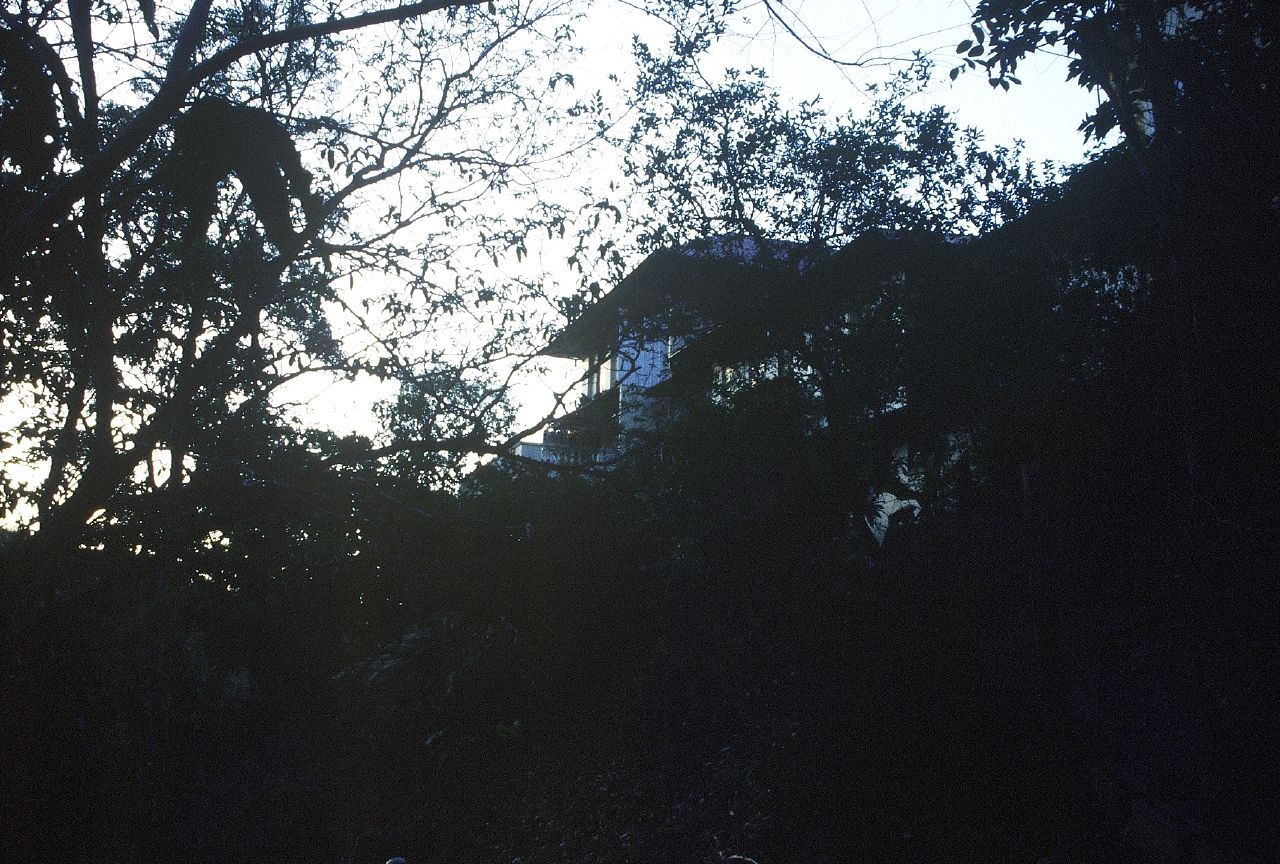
x=631, y=343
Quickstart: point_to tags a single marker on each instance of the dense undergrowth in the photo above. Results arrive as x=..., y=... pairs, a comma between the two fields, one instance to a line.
x=589, y=683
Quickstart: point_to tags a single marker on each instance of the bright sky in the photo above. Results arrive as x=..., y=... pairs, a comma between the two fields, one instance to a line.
x=1044, y=112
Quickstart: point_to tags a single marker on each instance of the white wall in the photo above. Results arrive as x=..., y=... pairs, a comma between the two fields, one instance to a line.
x=642, y=362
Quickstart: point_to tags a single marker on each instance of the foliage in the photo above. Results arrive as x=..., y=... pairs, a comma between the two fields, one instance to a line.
x=274, y=642
x=272, y=193
x=1191, y=87
x=727, y=157
x=903, y=313
x=1159, y=64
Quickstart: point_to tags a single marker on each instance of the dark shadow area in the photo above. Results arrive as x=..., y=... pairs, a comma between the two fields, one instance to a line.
x=948, y=533
x=605, y=687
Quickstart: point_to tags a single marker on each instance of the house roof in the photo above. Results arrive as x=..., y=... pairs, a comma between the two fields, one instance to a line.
x=718, y=278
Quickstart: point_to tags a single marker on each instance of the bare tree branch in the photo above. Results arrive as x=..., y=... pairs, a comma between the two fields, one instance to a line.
x=33, y=227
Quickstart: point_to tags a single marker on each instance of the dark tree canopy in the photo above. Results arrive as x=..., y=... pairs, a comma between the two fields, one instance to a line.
x=227, y=636
x=196, y=199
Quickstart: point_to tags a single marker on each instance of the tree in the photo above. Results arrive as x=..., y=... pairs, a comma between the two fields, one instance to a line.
x=884, y=304
x=195, y=199
x=1160, y=66
x=713, y=157
x=1191, y=88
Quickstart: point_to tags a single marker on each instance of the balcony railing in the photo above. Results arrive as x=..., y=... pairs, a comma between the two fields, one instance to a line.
x=566, y=454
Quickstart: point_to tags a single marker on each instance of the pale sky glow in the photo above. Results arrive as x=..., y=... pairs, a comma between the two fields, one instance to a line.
x=1045, y=112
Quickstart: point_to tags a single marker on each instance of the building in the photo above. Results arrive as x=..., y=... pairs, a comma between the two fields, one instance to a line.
x=884, y=338
x=656, y=331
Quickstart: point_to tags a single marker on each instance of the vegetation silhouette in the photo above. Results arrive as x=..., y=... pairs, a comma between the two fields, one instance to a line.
x=234, y=639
